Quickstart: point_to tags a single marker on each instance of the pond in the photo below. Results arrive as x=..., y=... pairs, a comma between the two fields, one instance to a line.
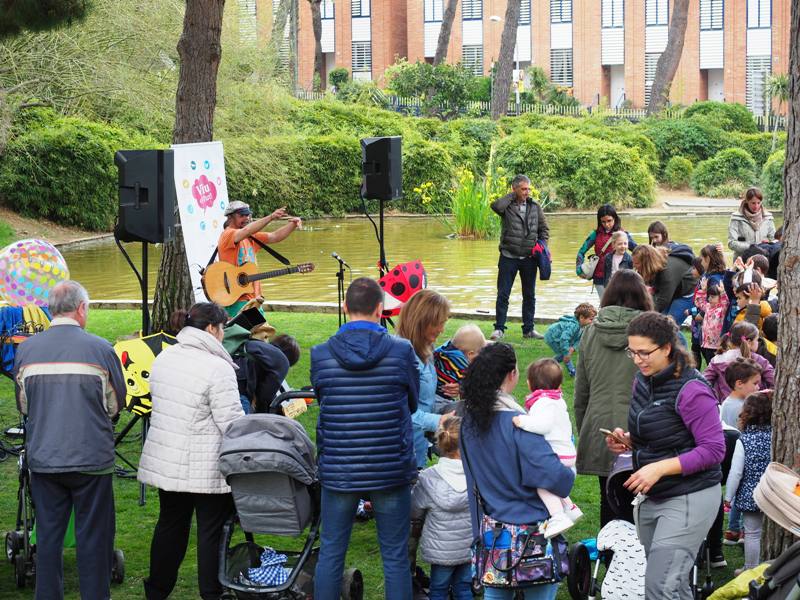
x=464, y=270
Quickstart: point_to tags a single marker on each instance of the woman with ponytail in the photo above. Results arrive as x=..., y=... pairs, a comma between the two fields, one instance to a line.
x=677, y=441
x=506, y=463
x=740, y=341
x=195, y=398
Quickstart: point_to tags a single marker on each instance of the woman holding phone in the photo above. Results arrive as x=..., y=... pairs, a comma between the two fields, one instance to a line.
x=677, y=441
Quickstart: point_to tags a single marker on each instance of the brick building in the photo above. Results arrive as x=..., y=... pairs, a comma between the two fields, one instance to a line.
x=604, y=50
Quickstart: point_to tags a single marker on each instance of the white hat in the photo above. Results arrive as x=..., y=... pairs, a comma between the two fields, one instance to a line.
x=237, y=206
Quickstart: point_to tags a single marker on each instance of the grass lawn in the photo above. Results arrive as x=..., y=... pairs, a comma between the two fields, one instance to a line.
x=135, y=524
x=6, y=234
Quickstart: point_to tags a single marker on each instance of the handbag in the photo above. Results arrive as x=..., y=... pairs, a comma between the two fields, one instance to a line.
x=541, y=253
x=511, y=556
x=588, y=266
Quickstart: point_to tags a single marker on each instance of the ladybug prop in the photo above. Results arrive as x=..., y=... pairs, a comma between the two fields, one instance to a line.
x=399, y=284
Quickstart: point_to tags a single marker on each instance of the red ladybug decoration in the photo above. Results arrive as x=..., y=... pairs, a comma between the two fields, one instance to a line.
x=399, y=284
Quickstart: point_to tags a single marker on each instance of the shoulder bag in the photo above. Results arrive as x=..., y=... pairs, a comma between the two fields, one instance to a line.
x=589, y=265
x=514, y=556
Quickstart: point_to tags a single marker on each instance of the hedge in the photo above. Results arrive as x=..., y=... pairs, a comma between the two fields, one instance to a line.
x=728, y=173
x=772, y=178
x=678, y=172
x=729, y=116
x=578, y=170
x=758, y=145
x=694, y=139
x=62, y=169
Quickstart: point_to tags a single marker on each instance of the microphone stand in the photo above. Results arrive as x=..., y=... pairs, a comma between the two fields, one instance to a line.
x=340, y=288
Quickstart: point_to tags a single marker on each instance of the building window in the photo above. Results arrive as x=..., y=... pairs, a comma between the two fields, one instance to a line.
x=359, y=8
x=362, y=57
x=525, y=12
x=711, y=14
x=471, y=10
x=759, y=14
x=561, y=67
x=757, y=73
x=560, y=11
x=433, y=11
x=613, y=13
x=650, y=62
x=327, y=9
x=472, y=59
x=656, y=12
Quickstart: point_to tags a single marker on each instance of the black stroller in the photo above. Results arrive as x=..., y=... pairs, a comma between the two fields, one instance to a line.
x=268, y=460
x=619, y=550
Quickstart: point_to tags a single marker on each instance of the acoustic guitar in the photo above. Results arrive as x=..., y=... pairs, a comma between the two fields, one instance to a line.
x=225, y=283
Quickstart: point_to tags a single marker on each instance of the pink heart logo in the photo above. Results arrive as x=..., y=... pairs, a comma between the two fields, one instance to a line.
x=204, y=192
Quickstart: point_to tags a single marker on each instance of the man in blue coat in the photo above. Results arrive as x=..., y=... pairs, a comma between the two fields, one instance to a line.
x=367, y=383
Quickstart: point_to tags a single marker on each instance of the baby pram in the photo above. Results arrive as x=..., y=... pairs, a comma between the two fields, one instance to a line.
x=619, y=549
x=268, y=460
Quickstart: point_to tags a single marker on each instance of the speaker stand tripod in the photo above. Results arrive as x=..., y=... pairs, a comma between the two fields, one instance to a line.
x=145, y=422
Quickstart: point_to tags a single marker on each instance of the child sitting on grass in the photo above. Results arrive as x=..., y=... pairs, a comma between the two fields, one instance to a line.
x=564, y=336
x=548, y=416
x=440, y=498
x=452, y=358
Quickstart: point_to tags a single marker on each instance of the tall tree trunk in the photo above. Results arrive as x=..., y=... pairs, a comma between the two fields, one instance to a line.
x=316, y=25
x=444, y=32
x=785, y=407
x=505, y=63
x=200, y=50
x=668, y=61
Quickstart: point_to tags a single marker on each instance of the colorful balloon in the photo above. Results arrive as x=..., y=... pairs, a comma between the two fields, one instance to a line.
x=29, y=269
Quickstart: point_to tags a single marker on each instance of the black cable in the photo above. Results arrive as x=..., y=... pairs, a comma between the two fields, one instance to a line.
x=125, y=254
x=374, y=226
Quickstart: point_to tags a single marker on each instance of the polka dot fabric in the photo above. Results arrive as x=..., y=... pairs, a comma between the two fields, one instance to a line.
x=29, y=269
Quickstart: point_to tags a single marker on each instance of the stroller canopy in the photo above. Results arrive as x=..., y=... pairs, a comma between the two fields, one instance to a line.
x=265, y=443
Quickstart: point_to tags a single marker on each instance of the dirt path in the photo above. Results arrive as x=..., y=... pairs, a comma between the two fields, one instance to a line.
x=25, y=227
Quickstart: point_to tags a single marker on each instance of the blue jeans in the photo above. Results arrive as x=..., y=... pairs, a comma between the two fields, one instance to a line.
x=734, y=518
x=455, y=577
x=507, y=269
x=392, y=509
x=537, y=592
x=559, y=358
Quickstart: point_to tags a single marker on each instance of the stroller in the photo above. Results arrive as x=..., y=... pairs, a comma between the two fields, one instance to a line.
x=268, y=460
x=619, y=549
x=21, y=542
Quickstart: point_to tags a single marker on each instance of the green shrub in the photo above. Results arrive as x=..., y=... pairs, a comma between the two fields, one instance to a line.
x=772, y=178
x=576, y=170
x=678, y=173
x=732, y=168
x=694, y=139
x=338, y=76
x=65, y=171
x=758, y=145
x=477, y=134
x=6, y=234
x=426, y=162
x=729, y=116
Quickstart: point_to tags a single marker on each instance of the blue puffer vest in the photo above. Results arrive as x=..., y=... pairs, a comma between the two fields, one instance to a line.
x=658, y=432
x=367, y=383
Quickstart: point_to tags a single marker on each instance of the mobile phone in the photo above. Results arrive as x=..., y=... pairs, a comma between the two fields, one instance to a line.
x=617, y=438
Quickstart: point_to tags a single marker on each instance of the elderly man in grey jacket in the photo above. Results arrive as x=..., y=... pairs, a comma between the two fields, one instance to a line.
x=69, y=385
x=523, y=224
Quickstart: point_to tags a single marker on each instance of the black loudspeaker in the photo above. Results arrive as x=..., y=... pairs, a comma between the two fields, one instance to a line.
x=146, y=196
x=382, y=168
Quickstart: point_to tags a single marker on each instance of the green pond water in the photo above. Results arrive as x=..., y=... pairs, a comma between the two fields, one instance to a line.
x=464, y=270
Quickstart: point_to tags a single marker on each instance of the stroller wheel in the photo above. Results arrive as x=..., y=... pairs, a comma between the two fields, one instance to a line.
x=579, y=580
x=19, y=570
x=13, y=545
x=118, y=567
x=352, y=585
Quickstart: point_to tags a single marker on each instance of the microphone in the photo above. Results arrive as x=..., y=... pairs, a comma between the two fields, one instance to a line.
x=340, y=259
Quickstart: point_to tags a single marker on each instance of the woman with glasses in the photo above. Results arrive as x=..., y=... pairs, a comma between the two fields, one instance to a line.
x=676, y=435
x=605, y=376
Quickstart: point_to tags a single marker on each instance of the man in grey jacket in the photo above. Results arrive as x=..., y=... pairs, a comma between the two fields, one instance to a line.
x=69, y=385
x=523, y=224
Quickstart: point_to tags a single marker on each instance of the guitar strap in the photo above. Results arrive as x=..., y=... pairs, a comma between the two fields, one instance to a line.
x=277, y=255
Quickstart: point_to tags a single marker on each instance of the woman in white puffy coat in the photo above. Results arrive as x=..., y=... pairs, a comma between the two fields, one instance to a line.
x=752, y=224
x=195, y=398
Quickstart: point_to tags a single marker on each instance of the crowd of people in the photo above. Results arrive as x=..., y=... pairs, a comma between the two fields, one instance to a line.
x=434, y=434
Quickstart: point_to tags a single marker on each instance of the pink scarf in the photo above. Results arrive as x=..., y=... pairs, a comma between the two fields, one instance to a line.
x=537, y=394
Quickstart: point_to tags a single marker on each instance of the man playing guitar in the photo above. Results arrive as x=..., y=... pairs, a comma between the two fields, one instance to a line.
x=236, y=246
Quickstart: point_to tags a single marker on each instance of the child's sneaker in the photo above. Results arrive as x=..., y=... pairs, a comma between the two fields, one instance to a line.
x=574, y=513
x=571, y=369
x=557, y=524
x=731, y=538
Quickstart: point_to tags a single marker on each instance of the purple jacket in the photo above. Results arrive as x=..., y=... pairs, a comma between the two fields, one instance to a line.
x=715, y=372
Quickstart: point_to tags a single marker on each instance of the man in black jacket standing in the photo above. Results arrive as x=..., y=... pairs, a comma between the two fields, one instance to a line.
x=523, y=224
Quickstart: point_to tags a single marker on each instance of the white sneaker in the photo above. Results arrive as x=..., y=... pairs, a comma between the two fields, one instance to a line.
x=575, y=514
x=497, y=334
x=557, y=524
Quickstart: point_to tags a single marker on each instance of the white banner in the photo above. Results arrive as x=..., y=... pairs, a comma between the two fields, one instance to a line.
x=202, y=194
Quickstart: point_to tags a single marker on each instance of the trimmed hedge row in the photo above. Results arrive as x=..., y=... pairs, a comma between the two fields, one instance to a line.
x=729, y=173
x=577, y=170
